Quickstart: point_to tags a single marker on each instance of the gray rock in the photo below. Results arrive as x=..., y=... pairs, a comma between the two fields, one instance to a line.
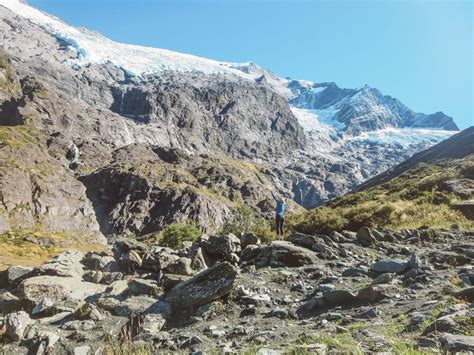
x=148, y=327
x=250, y=252
x=417, y=318
x=249, y=239
x=383, y=279
x=337, y=297
x=15, y=324
x=280, y=253
x=223, y=246
x=168, y=281
x=131, y=260
x=57, y=288
x=203, y=288
x=144, y=287
x=117, y=288
x=355, y=272
x=465, y=294
x=368, y=313
x=82, y=350
x=303, y=240
x=134, y=305
x=67, y=264
x=443, y=324
x=181, y=266
x=366, y=237
x=457, y=343
x=374, y=293
x=8, y=302
x=464, y=188
x=16, y=274
x=395, y=266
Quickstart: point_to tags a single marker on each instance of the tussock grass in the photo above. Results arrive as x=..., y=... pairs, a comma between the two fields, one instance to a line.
x=414, y=199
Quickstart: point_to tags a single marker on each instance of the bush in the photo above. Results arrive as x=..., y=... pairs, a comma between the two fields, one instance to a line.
x=321, y=220
x=246, y=221
x=175, y=234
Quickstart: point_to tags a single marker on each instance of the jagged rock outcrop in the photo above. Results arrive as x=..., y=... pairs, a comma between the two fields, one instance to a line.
x=38, y=191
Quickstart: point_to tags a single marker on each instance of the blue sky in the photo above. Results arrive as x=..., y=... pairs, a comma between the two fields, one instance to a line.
x=419, y=51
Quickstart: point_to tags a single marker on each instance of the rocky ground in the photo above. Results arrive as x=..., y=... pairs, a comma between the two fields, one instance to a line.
x=354, y=292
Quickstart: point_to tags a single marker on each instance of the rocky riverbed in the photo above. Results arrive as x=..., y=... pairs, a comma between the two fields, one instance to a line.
x=355, y=292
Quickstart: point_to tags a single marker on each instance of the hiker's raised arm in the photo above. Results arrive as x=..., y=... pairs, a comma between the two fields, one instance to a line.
x=274, y=197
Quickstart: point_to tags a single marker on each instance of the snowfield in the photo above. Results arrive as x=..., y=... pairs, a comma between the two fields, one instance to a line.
x=326, y=132
x=92, y=47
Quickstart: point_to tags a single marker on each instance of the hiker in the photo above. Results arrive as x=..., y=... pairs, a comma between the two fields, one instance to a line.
x=279, y=212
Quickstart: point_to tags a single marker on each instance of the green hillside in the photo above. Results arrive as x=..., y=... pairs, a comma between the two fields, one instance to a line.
x=418, y=197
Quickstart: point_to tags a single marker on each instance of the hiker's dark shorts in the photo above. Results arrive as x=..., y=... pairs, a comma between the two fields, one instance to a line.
x=279, y=221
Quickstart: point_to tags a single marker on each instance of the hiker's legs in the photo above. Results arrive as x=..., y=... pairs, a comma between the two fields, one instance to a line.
x=277, y=224
x=282, y=221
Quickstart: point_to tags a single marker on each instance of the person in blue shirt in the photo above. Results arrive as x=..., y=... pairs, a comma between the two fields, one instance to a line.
x=279, y=214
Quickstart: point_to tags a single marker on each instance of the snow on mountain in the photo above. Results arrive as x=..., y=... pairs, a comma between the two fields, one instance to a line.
x=367, y=109
x=327, y=134
x=92, y=47
x=354, y=111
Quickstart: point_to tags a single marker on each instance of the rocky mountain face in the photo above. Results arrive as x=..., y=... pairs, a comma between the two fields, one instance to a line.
x=239, y=130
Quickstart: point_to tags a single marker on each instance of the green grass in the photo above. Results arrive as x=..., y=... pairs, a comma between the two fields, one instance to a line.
x=18, y=137
x=8, y=80
x=416, y=198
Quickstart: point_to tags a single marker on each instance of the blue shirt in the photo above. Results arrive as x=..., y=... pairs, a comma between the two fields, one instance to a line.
x=280, y=208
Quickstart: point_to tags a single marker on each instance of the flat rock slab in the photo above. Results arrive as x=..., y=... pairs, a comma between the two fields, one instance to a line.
x=57, y=288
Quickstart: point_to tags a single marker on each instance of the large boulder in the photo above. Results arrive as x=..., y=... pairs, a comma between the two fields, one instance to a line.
x=57, y=288
x=224, y=246
x=67, y=264
x=203, y=288
x=281, y=253
x=15, y=324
